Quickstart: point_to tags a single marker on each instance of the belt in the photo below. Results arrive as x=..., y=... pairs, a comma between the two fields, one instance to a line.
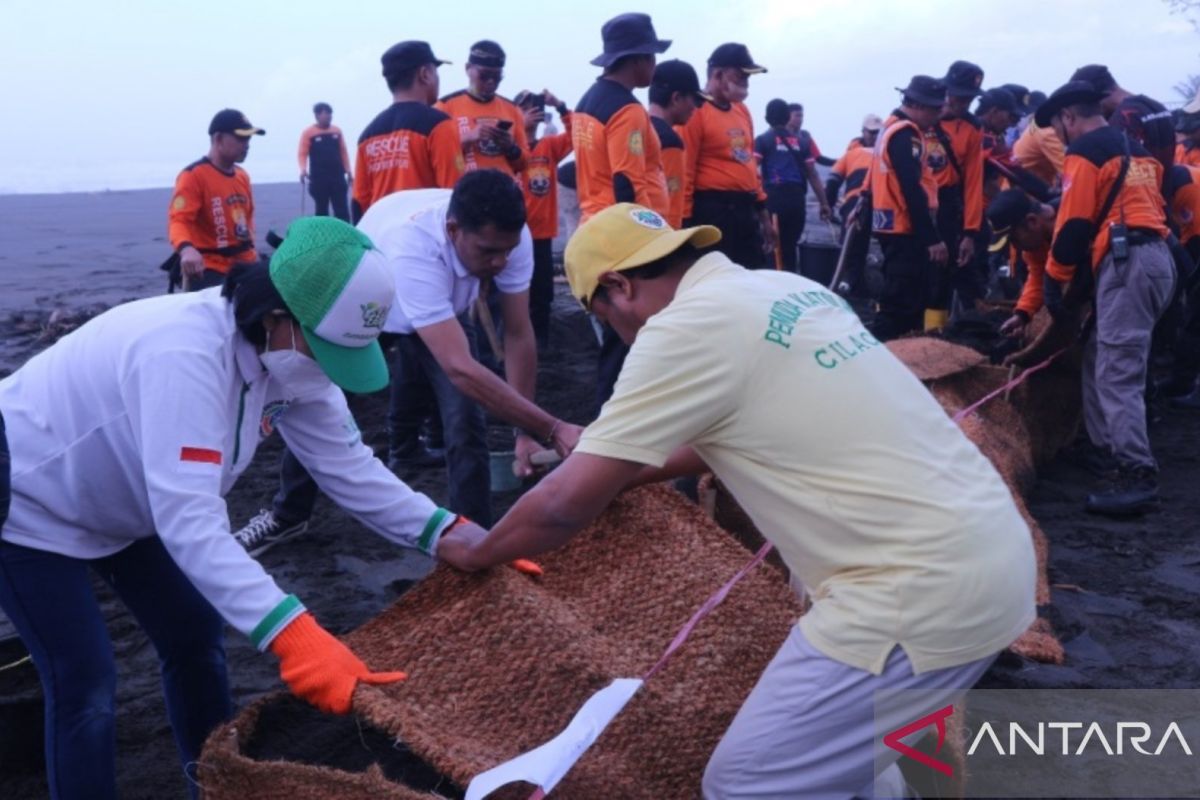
x=1139, y=236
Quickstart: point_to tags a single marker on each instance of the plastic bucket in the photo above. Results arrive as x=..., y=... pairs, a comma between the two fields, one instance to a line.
x=818, y=261
x=503, y=478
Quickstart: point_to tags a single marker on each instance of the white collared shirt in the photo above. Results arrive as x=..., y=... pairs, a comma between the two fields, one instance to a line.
x=139, y=423
x=432, y=285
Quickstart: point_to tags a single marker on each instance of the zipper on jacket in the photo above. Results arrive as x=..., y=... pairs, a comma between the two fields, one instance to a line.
x=237, y=434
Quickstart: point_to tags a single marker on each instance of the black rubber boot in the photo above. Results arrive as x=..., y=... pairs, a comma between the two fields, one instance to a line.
x=1132, y=491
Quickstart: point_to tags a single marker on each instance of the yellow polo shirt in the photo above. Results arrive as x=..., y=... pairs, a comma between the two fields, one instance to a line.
x=900, y=529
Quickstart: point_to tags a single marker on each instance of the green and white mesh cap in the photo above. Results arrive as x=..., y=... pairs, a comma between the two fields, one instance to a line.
x=340, y=290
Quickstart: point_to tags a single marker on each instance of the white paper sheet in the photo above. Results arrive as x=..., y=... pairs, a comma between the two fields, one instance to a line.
x=545, y=766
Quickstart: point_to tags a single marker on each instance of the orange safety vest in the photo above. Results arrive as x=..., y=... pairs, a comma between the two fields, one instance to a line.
x=890, y=214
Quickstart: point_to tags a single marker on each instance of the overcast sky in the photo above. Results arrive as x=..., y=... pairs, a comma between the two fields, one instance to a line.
x=119, y=94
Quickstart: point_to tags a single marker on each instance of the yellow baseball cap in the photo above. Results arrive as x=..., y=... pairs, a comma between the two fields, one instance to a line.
x=622, y=237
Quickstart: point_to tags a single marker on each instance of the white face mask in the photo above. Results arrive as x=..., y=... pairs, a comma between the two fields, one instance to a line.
x=297, y=374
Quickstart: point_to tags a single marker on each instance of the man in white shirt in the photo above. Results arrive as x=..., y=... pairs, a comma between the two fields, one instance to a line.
x=919, y=566
x=442, y=246
x=127, y=434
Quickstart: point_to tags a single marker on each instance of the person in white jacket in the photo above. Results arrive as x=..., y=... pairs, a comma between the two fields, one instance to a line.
x=126, y=435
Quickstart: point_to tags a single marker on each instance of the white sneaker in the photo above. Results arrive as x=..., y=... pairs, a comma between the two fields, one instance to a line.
x=265, y=531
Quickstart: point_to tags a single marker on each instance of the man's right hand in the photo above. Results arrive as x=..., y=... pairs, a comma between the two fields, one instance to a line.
x=939, y=254
x=303, y=175
x=1014, y=326
x=191, y=262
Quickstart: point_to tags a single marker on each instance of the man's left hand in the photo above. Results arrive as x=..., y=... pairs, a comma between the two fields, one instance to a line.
x=826, y=213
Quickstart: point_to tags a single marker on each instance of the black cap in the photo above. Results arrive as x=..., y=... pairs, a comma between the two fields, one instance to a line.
x=963, y=79
x=924, y=90
x=486, y=53
x=732, y=54
x=230, y=120
x=678, y=76
x=1036, y=98
x=408, y=55
x=1098, y=76
x=997, y=98
x=629, y=35
x=778, y=112
x=1021, y=95
x=1066, y=95
x=1007, y=209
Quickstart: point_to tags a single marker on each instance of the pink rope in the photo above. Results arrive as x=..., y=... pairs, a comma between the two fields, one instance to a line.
x=686, y=631
x=1017, y=381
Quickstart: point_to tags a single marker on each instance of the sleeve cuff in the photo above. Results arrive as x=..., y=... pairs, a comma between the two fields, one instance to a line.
x=279, y=618
x=624, y=452
x=434, y=528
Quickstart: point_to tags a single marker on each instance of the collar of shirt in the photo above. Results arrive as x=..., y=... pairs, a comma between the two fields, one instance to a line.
x=245, y=354
x=705, y=267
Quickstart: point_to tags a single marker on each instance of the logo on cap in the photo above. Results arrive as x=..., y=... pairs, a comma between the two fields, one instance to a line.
x=648, y=219
x=374, y=314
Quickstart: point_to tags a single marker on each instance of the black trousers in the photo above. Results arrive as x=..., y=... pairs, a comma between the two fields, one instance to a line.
x=902, y=303
x=541, y=290
x=735, y=214
x=330, y=190
x=787, y=204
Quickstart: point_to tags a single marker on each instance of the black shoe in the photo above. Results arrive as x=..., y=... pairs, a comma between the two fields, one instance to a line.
x=1131, y=492
x=414, y=454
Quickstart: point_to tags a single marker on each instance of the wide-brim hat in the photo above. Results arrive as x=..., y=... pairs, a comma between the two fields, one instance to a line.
x=629, y=35
x=1066, y=95
x=925, y=90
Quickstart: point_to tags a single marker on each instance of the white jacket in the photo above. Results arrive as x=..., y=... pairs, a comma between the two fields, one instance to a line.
x=138, y=424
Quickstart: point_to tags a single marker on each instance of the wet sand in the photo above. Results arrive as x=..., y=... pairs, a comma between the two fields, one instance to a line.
x=1124, y=602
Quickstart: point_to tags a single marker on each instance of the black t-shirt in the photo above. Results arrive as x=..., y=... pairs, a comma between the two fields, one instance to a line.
x=1149, y=122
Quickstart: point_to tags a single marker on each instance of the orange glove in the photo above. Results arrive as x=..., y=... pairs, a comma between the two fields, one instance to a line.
x=528, y=567
x=321, y=670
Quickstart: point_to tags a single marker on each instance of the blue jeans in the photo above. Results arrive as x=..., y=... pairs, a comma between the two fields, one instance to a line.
x=465, y=427
x=49, y=599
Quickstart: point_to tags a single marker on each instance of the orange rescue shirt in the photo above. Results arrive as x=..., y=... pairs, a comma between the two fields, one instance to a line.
x=539, y=181
x=1041, y=152
x=469, y=112
x=327, y=146
x=1182, y=190
x=408, y=146
x=1188, y=156
x=617, y=154
x=1091, y=167
x=213, y=211
x=718, y=146
x=890, y=210
x=852, y=168
x=965, y=136
x=674, y=169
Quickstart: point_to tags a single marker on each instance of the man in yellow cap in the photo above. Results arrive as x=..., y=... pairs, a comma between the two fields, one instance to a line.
x=890, y=518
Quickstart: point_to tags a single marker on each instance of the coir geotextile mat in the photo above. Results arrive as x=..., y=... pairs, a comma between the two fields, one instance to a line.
x=499, y=662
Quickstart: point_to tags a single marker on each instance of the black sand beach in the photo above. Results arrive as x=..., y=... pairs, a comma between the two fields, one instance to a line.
x=1125, y=592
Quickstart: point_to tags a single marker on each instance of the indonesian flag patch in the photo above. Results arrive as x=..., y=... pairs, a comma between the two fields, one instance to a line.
x=200, y=455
